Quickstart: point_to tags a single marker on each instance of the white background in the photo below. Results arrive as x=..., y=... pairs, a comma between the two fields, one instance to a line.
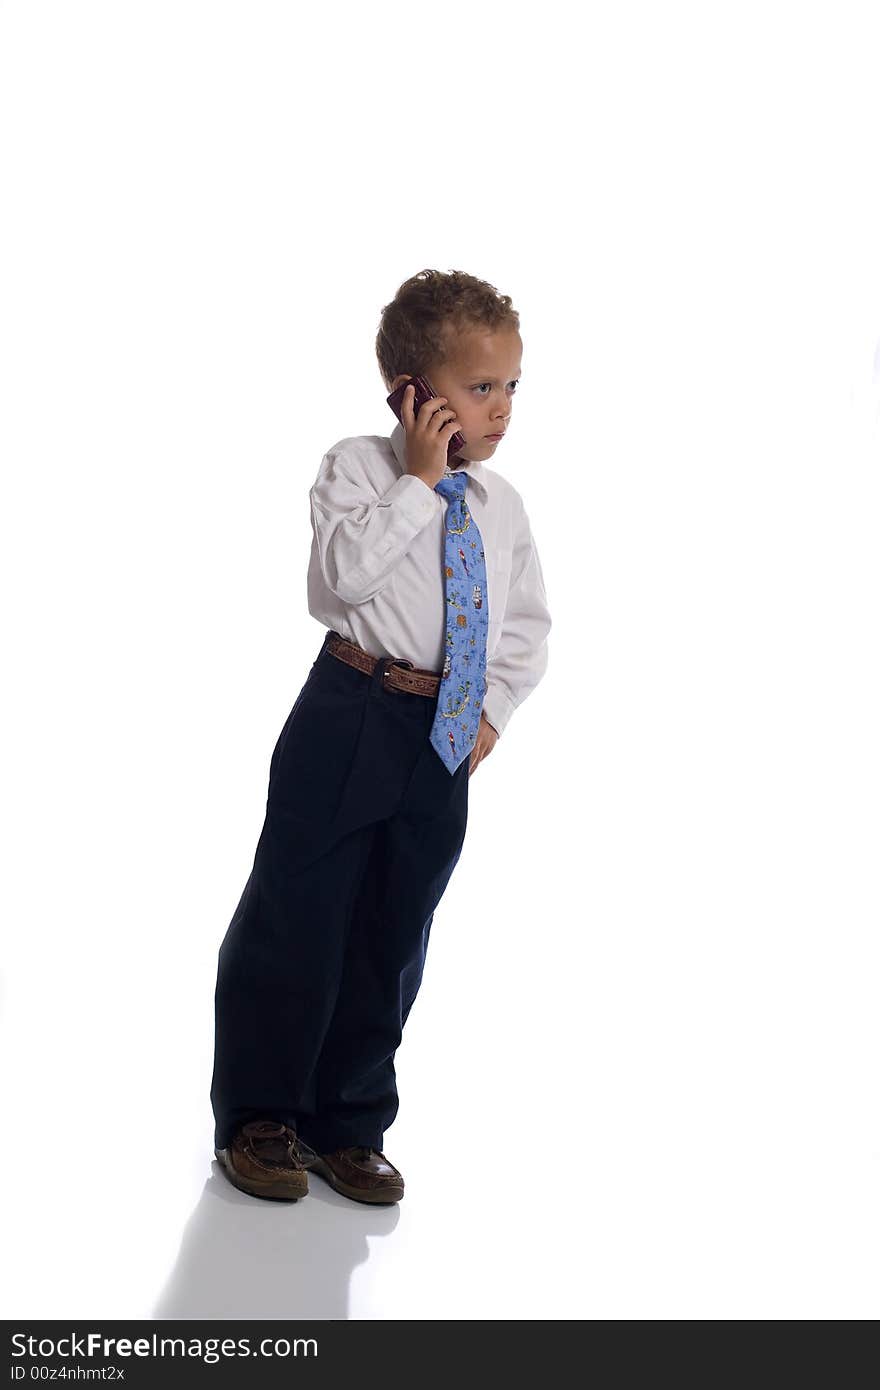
x=640, y=1080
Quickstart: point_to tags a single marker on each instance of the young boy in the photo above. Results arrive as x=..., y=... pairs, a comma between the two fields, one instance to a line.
x=424, y=572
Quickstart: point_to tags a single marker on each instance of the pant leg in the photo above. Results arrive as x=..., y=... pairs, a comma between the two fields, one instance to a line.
x=411, y=859
x=338, y=770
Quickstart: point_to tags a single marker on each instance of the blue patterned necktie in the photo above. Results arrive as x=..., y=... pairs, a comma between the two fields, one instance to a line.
x=463, y=684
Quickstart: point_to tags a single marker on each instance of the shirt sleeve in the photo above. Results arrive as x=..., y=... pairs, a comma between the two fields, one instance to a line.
x=519, y=661
x=363, y=534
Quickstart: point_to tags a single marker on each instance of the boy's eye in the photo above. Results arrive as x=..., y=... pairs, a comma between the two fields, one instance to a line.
x=488, y=384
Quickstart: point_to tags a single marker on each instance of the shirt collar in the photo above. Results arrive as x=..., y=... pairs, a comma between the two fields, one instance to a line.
x=473, y=467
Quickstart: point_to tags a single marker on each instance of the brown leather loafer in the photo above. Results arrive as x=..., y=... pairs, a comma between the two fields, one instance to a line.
x=363, y=1174
x=265, y=1160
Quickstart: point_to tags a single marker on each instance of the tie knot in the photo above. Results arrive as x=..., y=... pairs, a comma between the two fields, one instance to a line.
x=452, y=485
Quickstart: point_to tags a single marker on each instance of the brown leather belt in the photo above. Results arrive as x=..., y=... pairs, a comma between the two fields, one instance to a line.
x=400, y=676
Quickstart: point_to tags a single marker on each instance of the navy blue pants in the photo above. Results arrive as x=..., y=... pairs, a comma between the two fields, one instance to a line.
x=324, y=955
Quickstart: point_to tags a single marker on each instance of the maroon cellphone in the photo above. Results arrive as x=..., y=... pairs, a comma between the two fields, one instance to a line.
x=424, y=391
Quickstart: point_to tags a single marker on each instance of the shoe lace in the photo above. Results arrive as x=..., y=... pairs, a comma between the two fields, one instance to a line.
x=300, y=1149
x=273, y=1141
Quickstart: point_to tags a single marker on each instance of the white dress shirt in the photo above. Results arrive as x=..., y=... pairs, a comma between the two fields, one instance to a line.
x=376, y=567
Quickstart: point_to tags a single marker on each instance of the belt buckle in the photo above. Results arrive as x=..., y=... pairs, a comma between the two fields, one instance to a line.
x=394, y=661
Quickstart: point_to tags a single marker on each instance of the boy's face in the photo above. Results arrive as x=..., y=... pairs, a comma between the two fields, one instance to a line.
x=479, y=377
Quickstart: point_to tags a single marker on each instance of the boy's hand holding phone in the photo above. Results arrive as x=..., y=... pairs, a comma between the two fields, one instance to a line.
x=428, y=434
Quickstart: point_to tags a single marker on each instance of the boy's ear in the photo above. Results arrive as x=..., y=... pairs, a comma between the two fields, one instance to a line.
x=399, y=380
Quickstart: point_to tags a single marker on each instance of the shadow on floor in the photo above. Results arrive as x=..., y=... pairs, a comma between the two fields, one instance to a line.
x=248, y=1257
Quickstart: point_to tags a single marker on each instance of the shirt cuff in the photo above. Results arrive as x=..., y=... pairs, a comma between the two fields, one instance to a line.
x=497, y=708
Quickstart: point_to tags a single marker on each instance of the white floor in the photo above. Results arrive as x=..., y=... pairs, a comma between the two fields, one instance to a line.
x=625, y=1123
x=573, y=1232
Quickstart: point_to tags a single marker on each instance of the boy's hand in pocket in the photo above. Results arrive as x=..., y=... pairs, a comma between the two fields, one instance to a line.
x=487, y=737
